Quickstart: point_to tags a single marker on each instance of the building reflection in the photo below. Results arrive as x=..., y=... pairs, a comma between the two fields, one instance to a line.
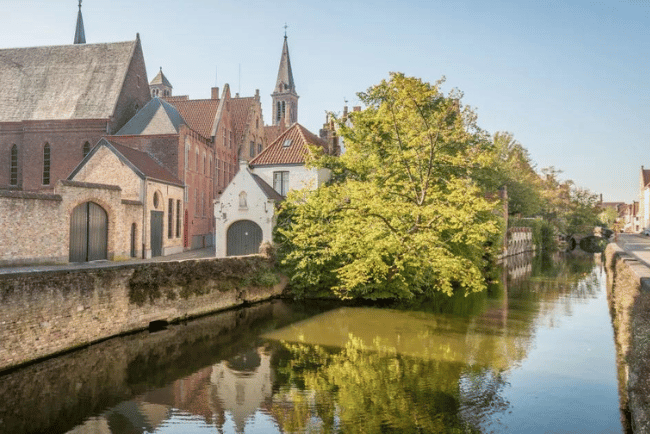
x=234, y=389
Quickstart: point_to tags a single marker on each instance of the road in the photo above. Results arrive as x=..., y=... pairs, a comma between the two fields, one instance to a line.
x=637, y=245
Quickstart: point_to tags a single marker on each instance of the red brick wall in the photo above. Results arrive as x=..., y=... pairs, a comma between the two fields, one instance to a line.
x=66, y=140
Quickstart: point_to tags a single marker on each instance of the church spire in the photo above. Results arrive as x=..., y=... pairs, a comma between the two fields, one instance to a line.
x=80, y=34
x=285, y=98
x=284, y=83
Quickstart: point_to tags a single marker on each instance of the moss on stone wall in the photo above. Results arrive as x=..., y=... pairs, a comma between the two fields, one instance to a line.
x=187, y=279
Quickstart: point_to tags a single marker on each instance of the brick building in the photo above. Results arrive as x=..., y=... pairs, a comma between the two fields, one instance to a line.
x=248, y=126
x=58, y=101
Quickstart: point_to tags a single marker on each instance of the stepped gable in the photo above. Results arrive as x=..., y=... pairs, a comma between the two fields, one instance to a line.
x=79, y=81
x=289, y=148
x=157, y=117
x=199, y=114
x=239, y=115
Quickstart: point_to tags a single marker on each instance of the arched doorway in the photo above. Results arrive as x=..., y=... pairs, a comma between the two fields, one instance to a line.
x=243, y=238
x=88, y=233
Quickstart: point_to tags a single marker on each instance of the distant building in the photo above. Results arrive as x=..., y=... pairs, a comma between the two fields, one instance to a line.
x=160, y=86
x=644, y=198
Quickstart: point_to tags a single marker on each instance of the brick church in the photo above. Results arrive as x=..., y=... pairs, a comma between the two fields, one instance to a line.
x=58, y=101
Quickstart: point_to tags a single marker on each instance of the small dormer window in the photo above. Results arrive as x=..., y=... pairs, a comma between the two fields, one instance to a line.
x=286, y=143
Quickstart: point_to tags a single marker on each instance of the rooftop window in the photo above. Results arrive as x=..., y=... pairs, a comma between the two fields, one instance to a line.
x=286, y=143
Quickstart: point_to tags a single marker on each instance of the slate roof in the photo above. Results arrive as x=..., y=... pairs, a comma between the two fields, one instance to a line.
x=284, y=82
x=296, y=137
x=156, y=117
x=161, y=79
x=140, y=162
x=268, y=191
x=79, y=81
x=199, y=114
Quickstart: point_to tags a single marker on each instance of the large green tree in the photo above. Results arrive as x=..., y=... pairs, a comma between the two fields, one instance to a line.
x=404, y=213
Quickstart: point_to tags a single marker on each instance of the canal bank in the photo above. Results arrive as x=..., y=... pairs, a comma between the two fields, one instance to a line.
x=44, y=313
x=628, y=283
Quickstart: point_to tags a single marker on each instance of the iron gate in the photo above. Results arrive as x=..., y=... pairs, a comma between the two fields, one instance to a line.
x=243, y=238
x=88, y=233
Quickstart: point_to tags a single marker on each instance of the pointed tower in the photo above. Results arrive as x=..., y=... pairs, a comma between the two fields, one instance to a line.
x=160, y=86
x=285, y=98
x=80, y=34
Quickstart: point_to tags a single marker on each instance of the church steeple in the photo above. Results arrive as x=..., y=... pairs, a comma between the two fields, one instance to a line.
x=285, y=98
x=80, y=34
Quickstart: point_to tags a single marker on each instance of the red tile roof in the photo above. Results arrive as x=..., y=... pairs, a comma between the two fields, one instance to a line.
x=289, y=148
x=198, y=113
x=146, y=164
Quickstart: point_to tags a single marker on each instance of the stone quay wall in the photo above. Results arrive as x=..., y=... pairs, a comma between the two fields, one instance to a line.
x=46, y=313
x=628, y=284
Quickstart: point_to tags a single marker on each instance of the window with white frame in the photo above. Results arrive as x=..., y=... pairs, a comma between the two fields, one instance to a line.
x=281, y=182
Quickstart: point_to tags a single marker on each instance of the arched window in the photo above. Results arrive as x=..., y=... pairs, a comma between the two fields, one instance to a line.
x=13, y=169
x=46, y=164
x=196, y=152
x=86, y=149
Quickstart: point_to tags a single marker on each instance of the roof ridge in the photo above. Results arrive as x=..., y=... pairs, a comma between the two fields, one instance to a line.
x=67, y=45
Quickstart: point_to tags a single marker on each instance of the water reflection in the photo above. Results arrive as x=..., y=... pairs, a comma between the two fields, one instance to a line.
x=441, y=365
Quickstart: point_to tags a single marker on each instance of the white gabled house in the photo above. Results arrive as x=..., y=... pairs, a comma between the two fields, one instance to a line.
x=245, y=214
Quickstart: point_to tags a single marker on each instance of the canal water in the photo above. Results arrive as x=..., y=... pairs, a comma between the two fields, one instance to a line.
x=534, y=354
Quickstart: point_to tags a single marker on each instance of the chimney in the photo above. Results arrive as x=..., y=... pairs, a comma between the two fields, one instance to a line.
x=237, y=95
x=356, y=108
x=215, y=93
x=345, y=111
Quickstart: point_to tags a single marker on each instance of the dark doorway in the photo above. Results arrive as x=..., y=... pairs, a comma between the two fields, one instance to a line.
x=88, y=233
x=156, y=233
x=244, y=238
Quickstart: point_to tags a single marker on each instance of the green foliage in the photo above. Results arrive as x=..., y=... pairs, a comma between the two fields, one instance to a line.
x=512, y=168
x=608, y=217
x=406, y=211
x=373, y=389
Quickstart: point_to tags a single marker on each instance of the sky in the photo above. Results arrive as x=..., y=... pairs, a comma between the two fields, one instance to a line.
x=568, y=78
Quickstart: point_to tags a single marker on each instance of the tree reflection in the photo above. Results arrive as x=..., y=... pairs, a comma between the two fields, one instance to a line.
x=361, y=390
